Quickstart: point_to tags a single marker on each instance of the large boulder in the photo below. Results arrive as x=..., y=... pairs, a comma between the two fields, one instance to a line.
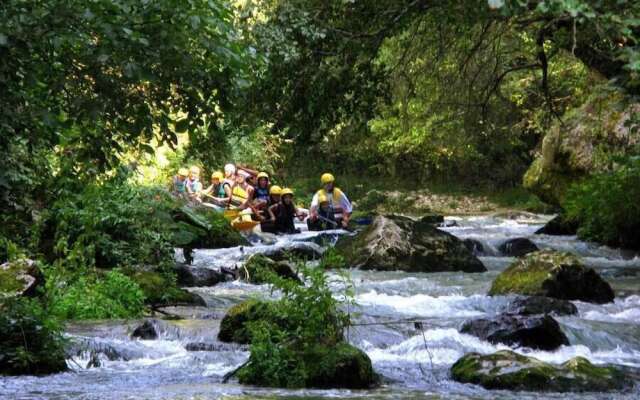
x=234, y=325
x=536, y=305
x=337, y=366
x=511, y=371
x=559, y=225
x=189, y=276
x=517, y=247
x=552, y=274
x=20, y=278
x=400, y=243
x=573, y=148
x=258, y=267
x=536, y=332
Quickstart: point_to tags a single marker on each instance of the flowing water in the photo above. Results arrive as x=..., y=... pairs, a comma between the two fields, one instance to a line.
x=413, y=363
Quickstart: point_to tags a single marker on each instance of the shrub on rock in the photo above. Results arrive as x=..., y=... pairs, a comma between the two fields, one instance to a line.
x=258, y=268
x=553, y=274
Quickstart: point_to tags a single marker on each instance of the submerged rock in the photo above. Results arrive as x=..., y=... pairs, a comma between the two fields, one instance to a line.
x=400, y=243
x=541, y=333
x=475, y=246
x=257, y=268
x=553, y=274
x=517, y=247
x=146, y=331
x=197, y=276
x=508, y=370
x=20, y=278
x=532, y=305
x=337, y=366
x=559, y=225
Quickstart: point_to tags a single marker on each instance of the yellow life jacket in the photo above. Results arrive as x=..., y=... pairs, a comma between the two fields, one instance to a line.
x=334, y=199
x=238, y=195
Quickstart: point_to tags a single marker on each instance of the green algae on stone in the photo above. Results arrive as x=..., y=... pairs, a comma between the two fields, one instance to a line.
x=234, y=326
x=511, y=371
x=258, y=268
x=552, y=274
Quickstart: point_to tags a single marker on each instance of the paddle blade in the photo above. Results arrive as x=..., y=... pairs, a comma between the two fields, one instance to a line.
x=244, y=225
x=231, y=214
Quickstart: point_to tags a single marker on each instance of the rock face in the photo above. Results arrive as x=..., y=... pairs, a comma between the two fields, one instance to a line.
x=535, y=305
x=198, y=277
x=20, y=278
x=542, y=332
x=552, y=274
x=572, y=150
x=508, y=370
x=400, y=243
x=257, y=267
x=559, y=225
x=517, y=247
x=146, y=331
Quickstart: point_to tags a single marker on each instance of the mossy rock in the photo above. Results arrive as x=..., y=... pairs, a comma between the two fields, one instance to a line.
x=338, y=366
x=258, y=268
x=552, y=274
x=395, y=242
x=511, y=371
x=160, y=290
x=203, y=228
x=234, y=326
x=20, y=278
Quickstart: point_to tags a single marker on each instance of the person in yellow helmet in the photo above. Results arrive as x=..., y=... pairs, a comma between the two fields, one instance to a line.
x=268, y=224
x=284, y=212
x=219, y=192
x=325, y=216
x=179, y=183
x=338, y=204
x=260, y=196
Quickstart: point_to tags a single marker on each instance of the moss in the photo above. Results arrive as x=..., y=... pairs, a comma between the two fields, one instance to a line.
x=527, y=276
x=508, y=370
x=203, y=228
x=234, y=327
x=319, y=366
x=10, y=281
x=258, y=268
x=16, y=276
x=160, y=289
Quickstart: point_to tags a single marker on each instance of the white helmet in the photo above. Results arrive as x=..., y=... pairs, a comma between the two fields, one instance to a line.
x=229, y=169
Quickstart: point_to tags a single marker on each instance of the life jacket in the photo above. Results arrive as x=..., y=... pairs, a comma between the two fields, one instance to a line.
x=219, y=190
x=194, y=185
x=179, y=186
x=238, y=195
x=261, y=194
x=334, y=200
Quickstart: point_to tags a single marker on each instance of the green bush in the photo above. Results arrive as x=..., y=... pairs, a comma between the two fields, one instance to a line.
x=332, y=259
x=30, y=339
x=606, y=206
x=113, y=295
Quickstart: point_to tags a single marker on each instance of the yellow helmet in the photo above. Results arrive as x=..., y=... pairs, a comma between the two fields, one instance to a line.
x=217, y=175
x=183, y=172
x=327, y=178
x=322, y=198
x=275, y=190
x=263, y=175
x=194, y=170
x=286, y=191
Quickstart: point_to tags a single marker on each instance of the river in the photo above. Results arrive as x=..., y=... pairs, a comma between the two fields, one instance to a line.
x=414, y=364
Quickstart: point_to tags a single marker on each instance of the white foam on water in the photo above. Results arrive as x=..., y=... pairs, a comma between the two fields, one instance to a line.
x=621, y=310
x=433, y=306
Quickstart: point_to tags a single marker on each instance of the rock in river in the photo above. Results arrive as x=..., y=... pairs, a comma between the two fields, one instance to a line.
x=146, y=331
x=559, y=225
x=541, y=332
x=401, y=243
x=532, y=305
x=189, y=276
x=256, y=268
x=508, y=370
x=517, y=247
x=553, y=274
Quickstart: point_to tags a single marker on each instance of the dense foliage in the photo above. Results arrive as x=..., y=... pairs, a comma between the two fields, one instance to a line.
x=606, y=206
x=31, y=341
x=289, y=355
x=113, y=295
